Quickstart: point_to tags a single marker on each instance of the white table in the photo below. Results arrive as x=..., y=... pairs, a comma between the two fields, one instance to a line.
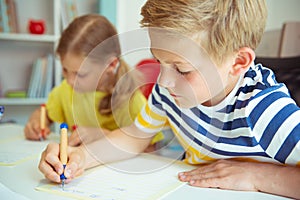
x=24, y=177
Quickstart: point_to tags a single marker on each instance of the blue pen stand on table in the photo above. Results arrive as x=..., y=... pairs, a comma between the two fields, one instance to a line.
x=1, y=112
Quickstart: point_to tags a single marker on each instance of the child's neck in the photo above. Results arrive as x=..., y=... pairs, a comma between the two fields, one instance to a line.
x=223, y=94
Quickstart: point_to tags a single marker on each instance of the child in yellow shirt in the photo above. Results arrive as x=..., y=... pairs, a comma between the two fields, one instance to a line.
x=89, y=97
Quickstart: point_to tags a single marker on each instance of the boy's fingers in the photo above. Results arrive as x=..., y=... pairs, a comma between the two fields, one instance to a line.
x=52, y=157
x=202, y=176
x=48, y=172
x=200, y=171
x=74, y=139
x=209, y=182
x=71, y=170
x=51, y=166
x=47, y=167
x=71, y=139
x=206, y=168
x=74, y=166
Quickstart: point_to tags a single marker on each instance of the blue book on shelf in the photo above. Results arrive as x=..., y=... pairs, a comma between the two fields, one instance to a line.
x=1, y=23
x=38, y=79
x=41, y=78
x=31, y=81
x=4, y=15
x=35, y=79
x=49, y=75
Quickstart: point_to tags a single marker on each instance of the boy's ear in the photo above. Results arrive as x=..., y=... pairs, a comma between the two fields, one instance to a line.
x=243, y=60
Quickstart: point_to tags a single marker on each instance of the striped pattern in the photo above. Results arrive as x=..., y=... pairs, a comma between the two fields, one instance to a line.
x=257, y=121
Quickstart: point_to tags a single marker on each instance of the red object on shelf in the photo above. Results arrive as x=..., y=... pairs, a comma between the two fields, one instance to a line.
x=36, y=26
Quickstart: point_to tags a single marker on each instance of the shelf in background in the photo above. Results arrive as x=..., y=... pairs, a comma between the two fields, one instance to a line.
x=28, y=37
x=22, y=101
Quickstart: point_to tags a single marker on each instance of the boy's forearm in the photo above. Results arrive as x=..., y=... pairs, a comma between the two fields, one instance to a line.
x=115, y=146
x=280, y=180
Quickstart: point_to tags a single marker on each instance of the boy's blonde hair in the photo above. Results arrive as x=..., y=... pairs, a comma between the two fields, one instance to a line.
x=227, y=25
x=82, y=37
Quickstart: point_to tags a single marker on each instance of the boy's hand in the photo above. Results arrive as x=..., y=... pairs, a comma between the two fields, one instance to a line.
x=32, y=129
x=86, y=135
x=51, y=166
x=224, y=174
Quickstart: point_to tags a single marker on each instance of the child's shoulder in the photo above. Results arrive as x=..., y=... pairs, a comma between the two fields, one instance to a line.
x=63, y=85
x=63, y=88
x=260, y=82
x=260, y=77
x=259, y=73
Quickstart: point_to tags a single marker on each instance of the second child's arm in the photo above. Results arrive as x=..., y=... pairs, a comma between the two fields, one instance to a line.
x=120, y=144
x=32, y=129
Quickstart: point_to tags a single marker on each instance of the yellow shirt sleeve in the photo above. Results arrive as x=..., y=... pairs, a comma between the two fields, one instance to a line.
x=54, y=104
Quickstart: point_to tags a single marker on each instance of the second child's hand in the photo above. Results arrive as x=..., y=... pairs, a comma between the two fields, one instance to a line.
x=33, y=127
x=33, y=131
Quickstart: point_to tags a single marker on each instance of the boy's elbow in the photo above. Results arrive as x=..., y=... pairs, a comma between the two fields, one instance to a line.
x=137, y=140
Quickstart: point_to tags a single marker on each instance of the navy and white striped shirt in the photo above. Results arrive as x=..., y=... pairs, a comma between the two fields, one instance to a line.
x=258, y=120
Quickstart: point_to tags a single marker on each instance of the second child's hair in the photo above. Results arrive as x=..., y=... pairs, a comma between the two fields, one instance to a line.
x=82, y=37
x=227, y=25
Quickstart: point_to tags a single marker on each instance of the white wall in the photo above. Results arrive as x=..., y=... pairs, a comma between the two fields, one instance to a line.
x=128, y=14
x=128, y=18
x=279, y=11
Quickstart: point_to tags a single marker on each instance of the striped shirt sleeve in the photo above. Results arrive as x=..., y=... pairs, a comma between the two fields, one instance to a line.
x=152, y=118
x=275, y=118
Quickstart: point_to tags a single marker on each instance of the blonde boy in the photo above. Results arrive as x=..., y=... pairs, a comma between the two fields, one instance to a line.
x=221, y=106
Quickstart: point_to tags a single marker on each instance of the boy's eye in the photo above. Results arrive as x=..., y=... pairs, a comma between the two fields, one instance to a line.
x=182, y=73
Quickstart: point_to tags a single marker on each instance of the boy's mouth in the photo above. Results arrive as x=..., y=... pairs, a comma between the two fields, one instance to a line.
x=174, y=95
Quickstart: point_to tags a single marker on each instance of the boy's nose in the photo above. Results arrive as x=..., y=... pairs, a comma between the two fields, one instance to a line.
x=166, y=78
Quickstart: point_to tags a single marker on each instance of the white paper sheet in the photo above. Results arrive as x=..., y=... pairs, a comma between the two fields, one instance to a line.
x=15, y=149
x=8, y=194
x=125, y=180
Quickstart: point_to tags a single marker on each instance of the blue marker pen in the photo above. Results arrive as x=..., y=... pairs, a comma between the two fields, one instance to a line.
x=63, y=154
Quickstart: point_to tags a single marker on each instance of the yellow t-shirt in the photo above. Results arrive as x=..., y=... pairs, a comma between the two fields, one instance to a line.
x=66, y=105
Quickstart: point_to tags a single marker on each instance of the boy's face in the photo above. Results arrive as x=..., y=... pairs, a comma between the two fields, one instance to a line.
x=181, y=79
x=188, y=73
